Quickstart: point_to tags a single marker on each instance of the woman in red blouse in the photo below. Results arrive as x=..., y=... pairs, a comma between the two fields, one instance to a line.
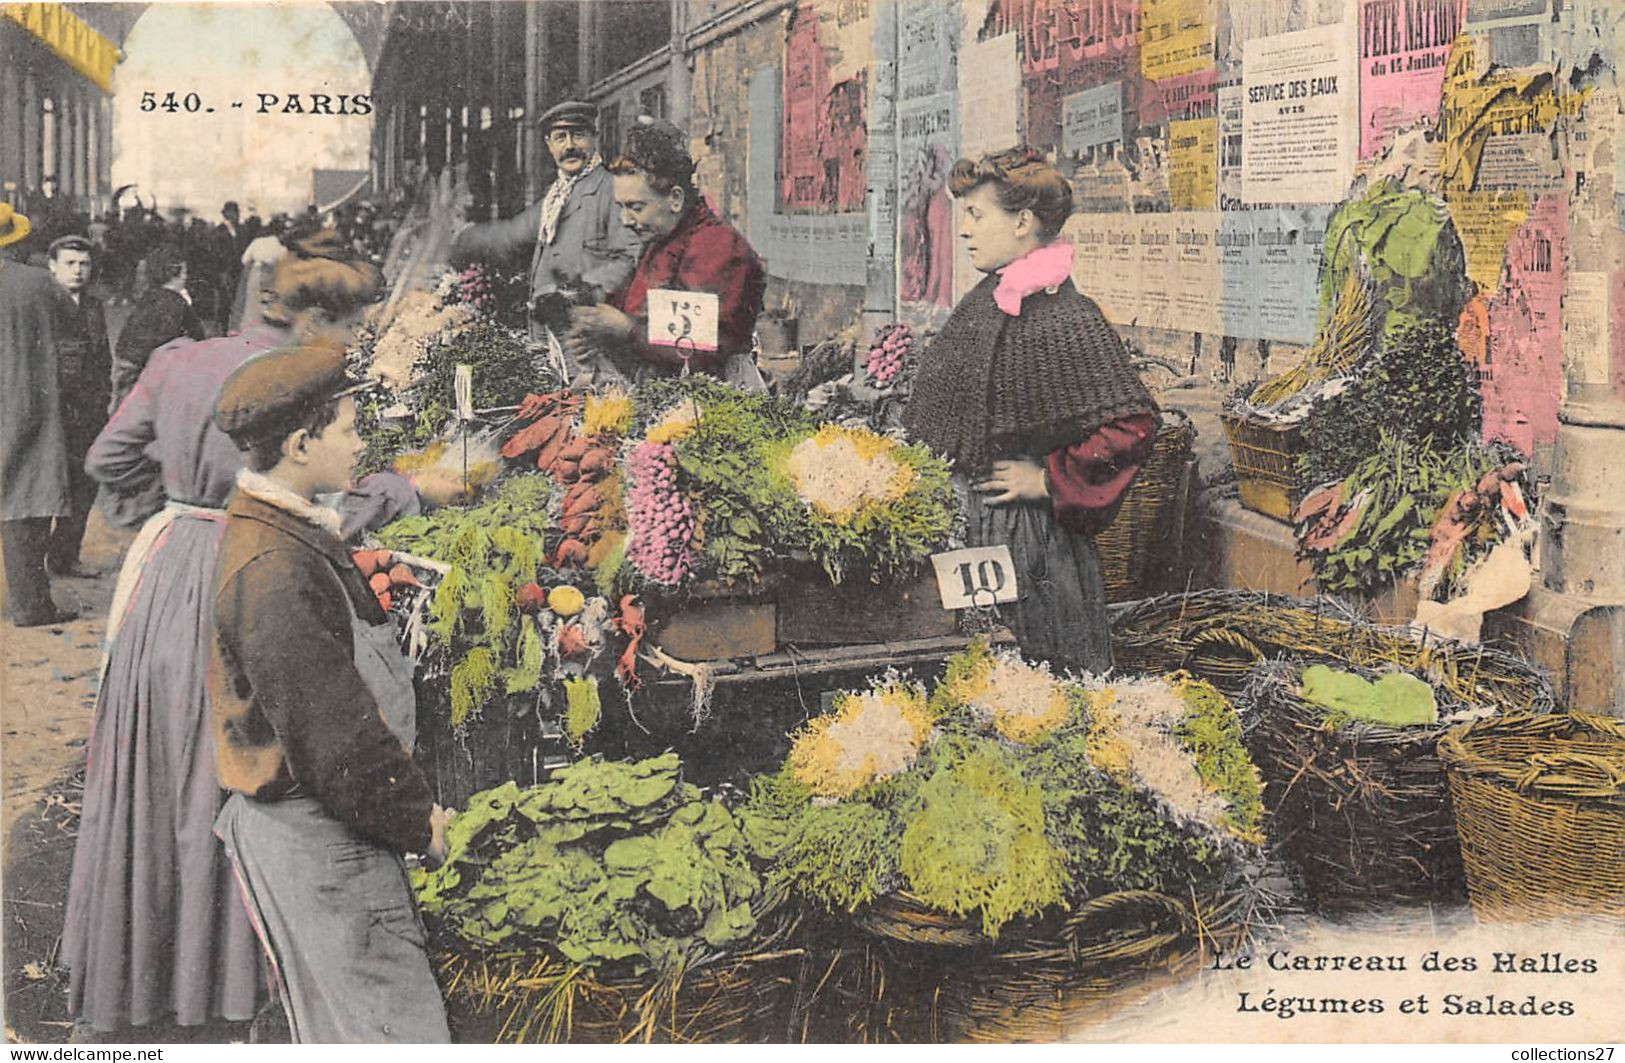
x=1029, y=391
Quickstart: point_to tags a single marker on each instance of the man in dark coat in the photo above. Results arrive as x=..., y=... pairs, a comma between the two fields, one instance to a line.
x=86, y=367
x=686, y=248
x=164, y=313
x=34, y=475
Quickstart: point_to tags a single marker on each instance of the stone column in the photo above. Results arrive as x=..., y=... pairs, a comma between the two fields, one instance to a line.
x=679, y=75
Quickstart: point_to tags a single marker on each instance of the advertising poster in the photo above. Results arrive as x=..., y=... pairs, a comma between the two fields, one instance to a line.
x=1299, y=118
x=1067, y=47
x=1193, y=159
x=1092, y=118
x=1176, y=37
x=1230, y=105
x=1404, y=47
x=1287, y=245
x=1523, y=371
x=928, y=139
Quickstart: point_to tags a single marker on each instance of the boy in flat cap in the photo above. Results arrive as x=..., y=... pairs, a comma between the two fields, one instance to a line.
x=315, y=720
x=580, y=251
x=686, y=248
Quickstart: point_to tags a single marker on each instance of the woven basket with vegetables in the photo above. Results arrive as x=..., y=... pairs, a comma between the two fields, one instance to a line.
x=1219, y=635
x=1353, y=783
x=615, y=894
x=1016, y=820
x=1131, y=547
x=1540, y=808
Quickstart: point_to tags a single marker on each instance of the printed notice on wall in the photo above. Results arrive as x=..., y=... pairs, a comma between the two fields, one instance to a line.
x=1299, y=116
x=1586, y=355
x=1091, y=118
x=1193, y=159
x=1229, y=180
x=1404, y=46
x=1176, y=37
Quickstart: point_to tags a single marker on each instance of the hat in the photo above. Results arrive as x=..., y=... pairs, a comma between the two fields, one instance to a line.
x=571, y=114
x=658, y=147
x=13, y=226
x=274, y=391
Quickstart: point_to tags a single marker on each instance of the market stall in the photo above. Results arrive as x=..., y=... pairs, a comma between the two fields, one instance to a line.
x=742, y=754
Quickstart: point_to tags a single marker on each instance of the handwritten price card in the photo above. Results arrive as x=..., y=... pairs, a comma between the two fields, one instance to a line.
x=686, y=320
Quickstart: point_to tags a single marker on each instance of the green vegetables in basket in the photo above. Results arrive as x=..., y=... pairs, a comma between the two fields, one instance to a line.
x=999, y=824
x=1396, y=699
x=609, y=863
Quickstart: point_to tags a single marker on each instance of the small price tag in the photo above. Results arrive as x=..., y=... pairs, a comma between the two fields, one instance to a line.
x=980, y=576
x=686, y=320
x=463, y=392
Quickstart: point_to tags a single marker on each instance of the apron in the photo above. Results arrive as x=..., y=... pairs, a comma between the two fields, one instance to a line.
x=1060, y=616
x=146, y=543
x=333, y=910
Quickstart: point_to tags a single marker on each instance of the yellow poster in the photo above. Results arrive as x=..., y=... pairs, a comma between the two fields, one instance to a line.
x=1485, y=221
x=1176, y=37
x=1193, y=164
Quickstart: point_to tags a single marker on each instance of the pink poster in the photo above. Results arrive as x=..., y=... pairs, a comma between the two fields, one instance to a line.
x=1403, y=48
x=1067, y=46
x=825, y=136
x=1523, y=374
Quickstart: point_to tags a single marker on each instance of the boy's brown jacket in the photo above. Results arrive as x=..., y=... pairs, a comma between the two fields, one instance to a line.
x=289, y=705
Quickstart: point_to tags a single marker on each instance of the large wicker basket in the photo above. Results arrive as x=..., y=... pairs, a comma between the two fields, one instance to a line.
x=1359, y=810
x=1264, y=455
x=1540, y=807
x=1142, y=537
x=1219, y=635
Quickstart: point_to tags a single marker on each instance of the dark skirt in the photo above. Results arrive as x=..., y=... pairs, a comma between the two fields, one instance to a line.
x=1060, y=616
x=155, y=927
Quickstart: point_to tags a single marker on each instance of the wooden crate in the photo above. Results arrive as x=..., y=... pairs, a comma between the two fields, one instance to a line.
x=812, y=612
x=719, y=628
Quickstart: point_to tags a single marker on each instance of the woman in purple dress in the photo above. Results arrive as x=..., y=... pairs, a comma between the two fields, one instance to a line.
x=155, y=928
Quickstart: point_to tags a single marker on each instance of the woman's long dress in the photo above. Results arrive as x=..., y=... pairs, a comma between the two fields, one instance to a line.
x=155, y=927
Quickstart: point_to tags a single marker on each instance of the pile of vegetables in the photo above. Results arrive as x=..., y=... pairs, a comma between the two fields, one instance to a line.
x=1010, y=792
x=760, y=479
x=1408, y=506
x=888, y=355
x=582, y=461
x=609, y=864
x=386, y=577
x=494, y=550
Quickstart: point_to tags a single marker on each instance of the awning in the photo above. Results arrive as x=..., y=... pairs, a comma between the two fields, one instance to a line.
x=71, y=38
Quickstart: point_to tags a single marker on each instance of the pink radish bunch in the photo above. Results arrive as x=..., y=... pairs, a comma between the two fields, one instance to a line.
x=888, y=354
x=661, y=520
x=474, y=286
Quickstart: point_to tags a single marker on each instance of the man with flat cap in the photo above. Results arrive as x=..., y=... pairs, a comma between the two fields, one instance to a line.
x=315, y=718
x=687, y=249
x=581, y=251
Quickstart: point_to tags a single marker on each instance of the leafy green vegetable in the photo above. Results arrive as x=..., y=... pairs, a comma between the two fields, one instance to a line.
x=608, y=863
x=977, y=842
x=1418, y=386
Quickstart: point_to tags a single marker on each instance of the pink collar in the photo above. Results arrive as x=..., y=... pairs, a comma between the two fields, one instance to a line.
x=1041, y=270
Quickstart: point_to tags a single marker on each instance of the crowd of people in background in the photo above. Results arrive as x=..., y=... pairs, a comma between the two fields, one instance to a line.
x=124, y=239
x=106, y=291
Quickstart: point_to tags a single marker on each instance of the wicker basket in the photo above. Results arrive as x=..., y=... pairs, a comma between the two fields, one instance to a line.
x=1221, y=634
x=1360, y=810
x=1263, y=455
x=1140, y=539
x=531, y=996
x=1540, y=807
x=915, y=975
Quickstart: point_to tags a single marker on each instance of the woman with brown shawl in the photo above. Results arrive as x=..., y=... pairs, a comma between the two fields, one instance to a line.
x=1028, y=390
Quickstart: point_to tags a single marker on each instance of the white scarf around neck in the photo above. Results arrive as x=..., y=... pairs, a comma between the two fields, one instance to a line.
x=558, y=193
x=261, y=487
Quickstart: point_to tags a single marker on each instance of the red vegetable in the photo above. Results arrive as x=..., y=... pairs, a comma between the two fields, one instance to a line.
x=530, y=597
x=403, y=576
x=379, y=582
x=535, y=436
x=386, y=601
x=570, y=552
x=572, y=641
